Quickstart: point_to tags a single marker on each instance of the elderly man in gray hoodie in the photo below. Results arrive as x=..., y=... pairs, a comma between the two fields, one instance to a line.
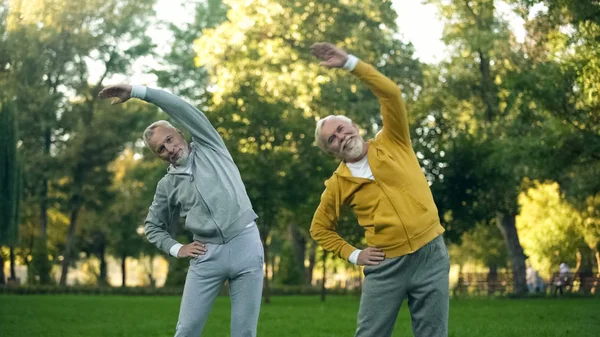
x=203, y=185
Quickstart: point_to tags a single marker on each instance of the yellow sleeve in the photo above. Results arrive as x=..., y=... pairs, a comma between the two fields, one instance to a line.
x=324, y=223
x=393, y=109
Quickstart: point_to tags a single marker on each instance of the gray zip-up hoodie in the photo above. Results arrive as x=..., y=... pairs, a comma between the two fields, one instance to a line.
x=212, y=198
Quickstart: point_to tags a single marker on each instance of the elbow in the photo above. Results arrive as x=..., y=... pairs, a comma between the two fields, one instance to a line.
x=150, y=231
x=313, y=231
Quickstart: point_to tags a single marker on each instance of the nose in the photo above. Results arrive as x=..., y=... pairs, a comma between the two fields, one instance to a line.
x=170, y=148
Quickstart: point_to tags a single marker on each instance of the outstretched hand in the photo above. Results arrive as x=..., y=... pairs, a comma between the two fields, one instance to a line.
x=332, y=56
x=120, y=92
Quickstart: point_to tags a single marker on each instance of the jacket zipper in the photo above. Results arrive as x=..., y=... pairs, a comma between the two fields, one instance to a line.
x=210, y=213
x=398, y=214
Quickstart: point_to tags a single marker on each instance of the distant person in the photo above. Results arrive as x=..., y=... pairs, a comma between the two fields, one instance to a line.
x=535, y=283
x=562, y=280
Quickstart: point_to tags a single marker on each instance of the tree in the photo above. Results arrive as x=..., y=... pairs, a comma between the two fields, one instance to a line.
x=10, y=184
x=126, y=213
x=268, y=91
x=180, y=73
x=478, y=75
x=36, y=58
x=565, y=60
x=290, y=272
x=553, y=230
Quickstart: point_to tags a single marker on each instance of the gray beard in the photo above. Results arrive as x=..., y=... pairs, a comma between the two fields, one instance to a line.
x=185, y=153
x=352, y=150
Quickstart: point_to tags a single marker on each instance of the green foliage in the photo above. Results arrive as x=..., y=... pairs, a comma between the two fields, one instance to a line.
x=289, y=272
x=550, y=228
x=179, y=72
x=481, y=245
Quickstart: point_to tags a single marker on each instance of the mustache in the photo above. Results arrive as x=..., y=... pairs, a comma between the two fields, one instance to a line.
x=176, y=154
x=346, y=141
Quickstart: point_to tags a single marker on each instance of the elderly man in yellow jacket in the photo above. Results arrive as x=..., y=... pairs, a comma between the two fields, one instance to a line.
x=382, y=182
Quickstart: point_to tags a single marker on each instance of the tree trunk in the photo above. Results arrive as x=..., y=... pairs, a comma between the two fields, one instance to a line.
x=323, y=289
x=69, y=246
x=312, y=253
x=506, y=224
x=492, y=280
x=272, y=261
x=584, y=269
x=103, y=279
x=578, y=259
x=44, y=211
x=124, y=271
x=299, y=246
x=44, y=191
x=488, y=93
x=150, y=272
x=2, y=276
x=266, y=289
x=13, y=274
x=596, y=283
x=597, y=255
x=42, y=265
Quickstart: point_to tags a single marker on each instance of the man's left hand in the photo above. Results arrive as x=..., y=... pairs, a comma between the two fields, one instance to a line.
x=332, y=56
x=121, y=93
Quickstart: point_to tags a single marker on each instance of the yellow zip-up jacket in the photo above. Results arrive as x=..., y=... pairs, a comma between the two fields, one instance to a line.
x=396, y=209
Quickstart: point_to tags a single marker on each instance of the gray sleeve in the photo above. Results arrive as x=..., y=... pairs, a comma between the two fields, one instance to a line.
x=186, y=115
x=158, y=221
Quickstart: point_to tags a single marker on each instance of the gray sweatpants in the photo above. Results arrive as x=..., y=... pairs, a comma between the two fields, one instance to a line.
x=422, y=277
x=239, y=261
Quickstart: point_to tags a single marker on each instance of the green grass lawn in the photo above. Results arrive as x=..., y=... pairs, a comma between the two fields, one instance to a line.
x=91, y=316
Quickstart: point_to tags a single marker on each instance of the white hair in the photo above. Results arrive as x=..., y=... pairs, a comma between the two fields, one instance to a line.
x=320, y=142
x=150, y=131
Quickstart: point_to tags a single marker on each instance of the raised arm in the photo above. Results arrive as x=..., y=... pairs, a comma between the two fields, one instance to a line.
x=181, y=111
x=393, y=109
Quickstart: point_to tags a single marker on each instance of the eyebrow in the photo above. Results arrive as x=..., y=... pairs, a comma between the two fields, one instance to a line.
x=338, y=129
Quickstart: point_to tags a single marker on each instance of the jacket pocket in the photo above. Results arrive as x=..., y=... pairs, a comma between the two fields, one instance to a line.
x=415, y=215
x=416, y=203
x=200, y=223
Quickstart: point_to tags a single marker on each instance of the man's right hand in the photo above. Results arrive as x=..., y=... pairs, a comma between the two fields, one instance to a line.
x=370, y=256
x=193, y=249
